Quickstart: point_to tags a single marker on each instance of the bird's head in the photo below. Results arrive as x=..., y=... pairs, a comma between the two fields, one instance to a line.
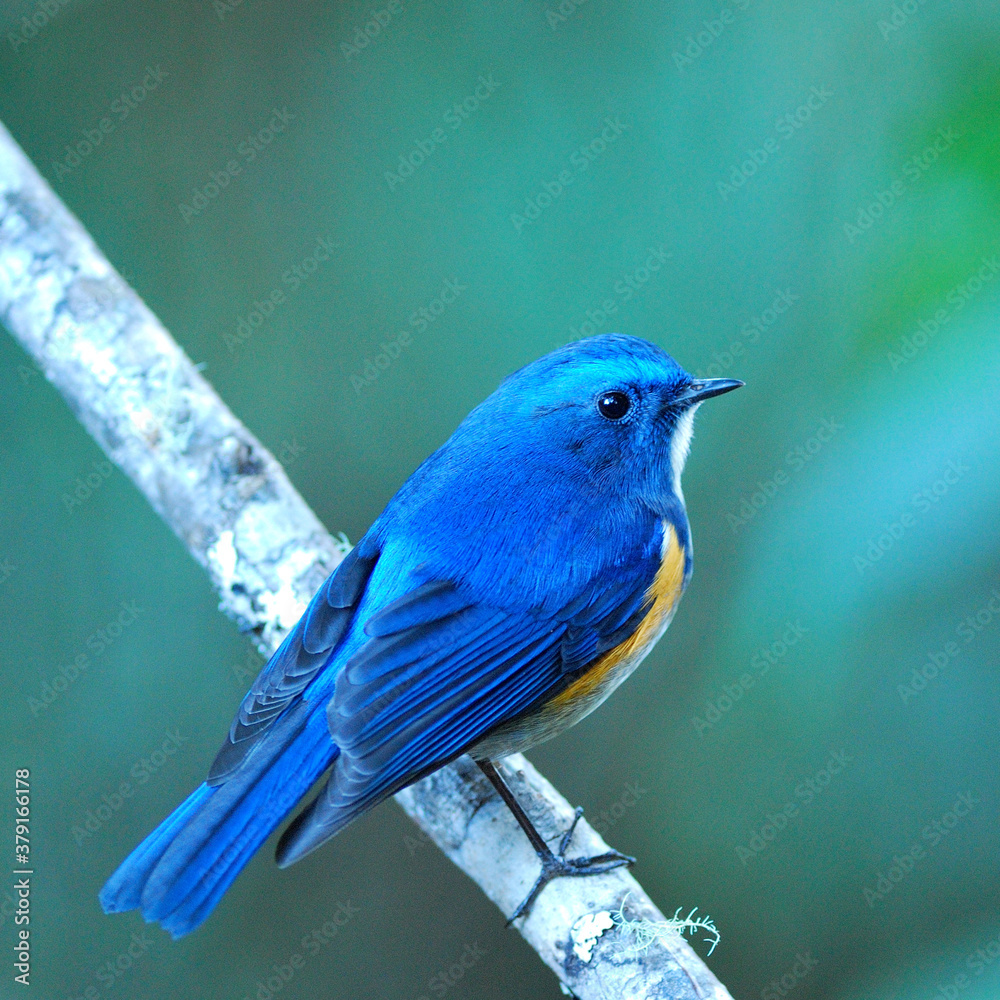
x=616, y=409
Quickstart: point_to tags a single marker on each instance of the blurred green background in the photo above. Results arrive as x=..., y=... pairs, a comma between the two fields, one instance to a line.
x=840, y=161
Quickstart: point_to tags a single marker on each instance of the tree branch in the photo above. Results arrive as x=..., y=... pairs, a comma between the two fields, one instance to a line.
x=234, y=508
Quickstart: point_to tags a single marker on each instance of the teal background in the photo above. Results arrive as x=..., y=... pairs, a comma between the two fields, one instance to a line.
x=837, y=353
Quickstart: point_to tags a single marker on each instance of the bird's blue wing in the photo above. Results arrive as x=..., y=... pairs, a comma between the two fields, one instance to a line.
x=441, y=668
x=298, y=660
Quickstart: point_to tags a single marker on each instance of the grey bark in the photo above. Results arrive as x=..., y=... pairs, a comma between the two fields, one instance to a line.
x=231, y=503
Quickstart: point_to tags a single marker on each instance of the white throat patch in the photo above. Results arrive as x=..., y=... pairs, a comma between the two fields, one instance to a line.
x=680, y=445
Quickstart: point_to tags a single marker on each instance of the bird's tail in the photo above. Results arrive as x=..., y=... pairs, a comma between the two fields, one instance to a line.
x=180, y=871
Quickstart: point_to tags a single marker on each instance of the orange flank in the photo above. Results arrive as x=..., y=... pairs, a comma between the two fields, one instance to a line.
x=605, y=674
x=662, y=598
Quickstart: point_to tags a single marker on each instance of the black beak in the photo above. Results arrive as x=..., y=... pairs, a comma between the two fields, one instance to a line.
x=705, y=388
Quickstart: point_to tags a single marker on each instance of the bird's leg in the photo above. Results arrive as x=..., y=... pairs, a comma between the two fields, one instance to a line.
x=553, y=865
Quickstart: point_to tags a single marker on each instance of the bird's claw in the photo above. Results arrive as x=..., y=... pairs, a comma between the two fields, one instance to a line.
x=559, y=866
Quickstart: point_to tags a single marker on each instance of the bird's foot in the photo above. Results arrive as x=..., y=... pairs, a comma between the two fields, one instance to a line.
x=559, y=866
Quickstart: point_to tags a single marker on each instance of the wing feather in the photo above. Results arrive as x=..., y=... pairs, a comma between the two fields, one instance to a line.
x=297, y=661
x=441, y=669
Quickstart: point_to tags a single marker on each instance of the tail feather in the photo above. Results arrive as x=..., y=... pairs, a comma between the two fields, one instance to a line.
x=235, y=813
x=197, y=908
x=123, y=891
x=180, y=871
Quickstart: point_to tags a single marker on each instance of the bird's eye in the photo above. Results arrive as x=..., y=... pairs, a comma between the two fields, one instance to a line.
x=613, y=405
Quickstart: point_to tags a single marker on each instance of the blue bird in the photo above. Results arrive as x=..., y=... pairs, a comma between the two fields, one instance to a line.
x=514, y=581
